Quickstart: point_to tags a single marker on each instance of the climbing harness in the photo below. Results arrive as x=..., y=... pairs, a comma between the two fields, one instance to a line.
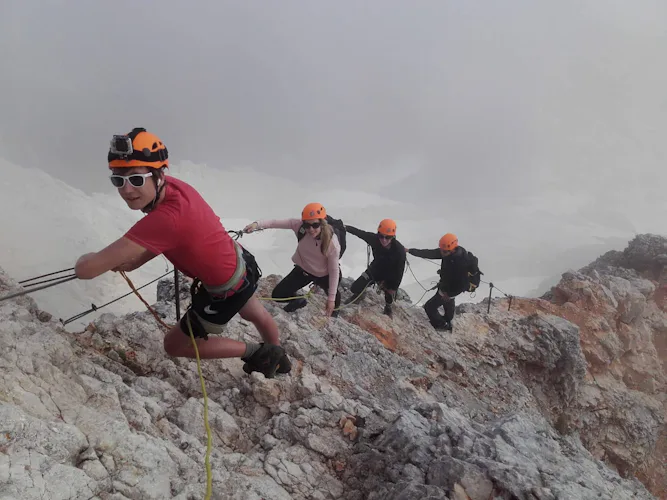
x=33, y=287
x=236, y=280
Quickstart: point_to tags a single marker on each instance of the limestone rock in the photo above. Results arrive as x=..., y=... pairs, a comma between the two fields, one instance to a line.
x=512, y=404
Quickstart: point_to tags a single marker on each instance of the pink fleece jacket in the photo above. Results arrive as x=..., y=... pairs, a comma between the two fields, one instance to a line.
x=308, y=253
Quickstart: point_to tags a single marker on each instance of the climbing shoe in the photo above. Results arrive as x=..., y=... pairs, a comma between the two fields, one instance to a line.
x=284, y=365
x=265, y=360
x=295, y=304
x=446, y=326
x=387, y=310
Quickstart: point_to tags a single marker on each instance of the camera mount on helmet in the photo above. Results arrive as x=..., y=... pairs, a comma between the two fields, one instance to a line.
x=121, y=145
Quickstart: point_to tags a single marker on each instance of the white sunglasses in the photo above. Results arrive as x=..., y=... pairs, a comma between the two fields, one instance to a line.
x=137, y=180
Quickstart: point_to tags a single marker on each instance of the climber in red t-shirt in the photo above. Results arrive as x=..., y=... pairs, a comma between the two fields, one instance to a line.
x=180, y=225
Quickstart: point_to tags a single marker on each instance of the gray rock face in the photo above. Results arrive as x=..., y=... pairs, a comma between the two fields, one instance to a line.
x=374, y=408
x=646, y=253
x=166, y=291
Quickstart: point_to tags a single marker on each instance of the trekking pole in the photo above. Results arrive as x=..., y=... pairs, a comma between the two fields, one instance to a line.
x=178, y=298
x=34, y=289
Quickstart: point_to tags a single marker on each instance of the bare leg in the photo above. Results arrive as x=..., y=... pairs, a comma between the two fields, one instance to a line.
x=254, y=311
x=178, y=344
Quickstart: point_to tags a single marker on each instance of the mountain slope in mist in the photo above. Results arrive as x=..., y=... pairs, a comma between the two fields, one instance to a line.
x=518, y=248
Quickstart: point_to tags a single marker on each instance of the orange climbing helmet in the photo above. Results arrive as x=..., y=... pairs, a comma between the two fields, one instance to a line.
x=313, y=211
x=139, y=148
x=449, y=242
x=387, y=227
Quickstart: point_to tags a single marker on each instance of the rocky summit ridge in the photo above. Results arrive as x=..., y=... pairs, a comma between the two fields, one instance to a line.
x=560, y=397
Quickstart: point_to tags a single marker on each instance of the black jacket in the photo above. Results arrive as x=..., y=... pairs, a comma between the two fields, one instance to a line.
x=454, y=269
x=388, y=263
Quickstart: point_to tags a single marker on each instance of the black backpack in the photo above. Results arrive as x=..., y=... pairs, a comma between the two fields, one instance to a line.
x=339, y=230
x=474, y=274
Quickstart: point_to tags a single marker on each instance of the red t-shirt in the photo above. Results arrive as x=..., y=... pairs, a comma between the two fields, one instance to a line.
x=187, y=231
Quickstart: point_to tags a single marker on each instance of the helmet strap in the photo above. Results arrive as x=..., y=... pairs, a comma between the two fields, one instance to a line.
x=151, y=206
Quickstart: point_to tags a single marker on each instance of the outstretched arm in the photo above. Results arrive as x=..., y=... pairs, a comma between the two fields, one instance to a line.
x=426, y=254
x=122, y=255
x=369, y=238
x=293, y=224
x=137, y=263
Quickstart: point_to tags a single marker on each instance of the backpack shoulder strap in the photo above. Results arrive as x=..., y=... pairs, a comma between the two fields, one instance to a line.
x=300, y=233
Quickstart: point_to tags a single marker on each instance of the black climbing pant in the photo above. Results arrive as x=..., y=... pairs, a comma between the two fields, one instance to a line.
x=297, y=279
x=433, y=304
x=362, y=282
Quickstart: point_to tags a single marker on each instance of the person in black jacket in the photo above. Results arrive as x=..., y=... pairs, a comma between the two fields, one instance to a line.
x=457, y=263
x=388, y=263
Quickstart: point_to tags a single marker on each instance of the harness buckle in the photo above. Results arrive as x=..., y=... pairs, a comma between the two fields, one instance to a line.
x=245, y=283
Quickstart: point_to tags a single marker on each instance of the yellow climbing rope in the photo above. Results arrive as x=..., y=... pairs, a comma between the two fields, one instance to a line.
x=284, y=299
x=209, y=439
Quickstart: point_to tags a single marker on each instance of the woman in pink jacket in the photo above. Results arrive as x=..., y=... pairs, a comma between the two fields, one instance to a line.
x=315, y=259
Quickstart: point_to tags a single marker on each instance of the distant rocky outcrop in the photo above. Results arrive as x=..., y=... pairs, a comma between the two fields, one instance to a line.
x=561, y=397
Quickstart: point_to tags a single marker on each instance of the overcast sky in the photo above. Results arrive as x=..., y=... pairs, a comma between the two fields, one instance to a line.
x=455, y=104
